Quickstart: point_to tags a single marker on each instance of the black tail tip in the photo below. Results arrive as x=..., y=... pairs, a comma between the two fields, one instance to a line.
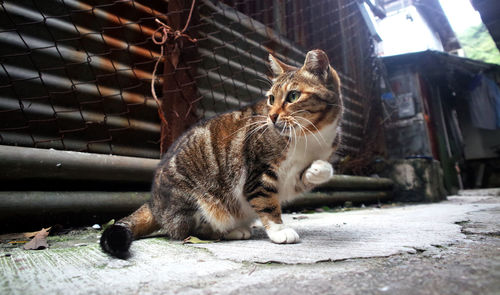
x=116, y=241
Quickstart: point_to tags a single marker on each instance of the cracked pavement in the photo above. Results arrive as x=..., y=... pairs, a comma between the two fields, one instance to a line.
x=451, y=247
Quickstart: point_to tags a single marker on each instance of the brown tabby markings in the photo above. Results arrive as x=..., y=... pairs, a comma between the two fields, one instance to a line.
x=225, y=172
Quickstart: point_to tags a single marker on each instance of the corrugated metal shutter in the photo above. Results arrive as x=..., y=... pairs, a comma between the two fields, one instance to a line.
x=75, y=76
x=234, y=50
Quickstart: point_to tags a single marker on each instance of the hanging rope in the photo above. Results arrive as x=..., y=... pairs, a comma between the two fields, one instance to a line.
x=168, y=33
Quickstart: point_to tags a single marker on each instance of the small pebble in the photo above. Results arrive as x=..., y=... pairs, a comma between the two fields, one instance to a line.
x=384, y=289
x=96, y=226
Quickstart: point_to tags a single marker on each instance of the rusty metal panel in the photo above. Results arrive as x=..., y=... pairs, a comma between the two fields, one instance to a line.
x=74, y=75
x=234, y=50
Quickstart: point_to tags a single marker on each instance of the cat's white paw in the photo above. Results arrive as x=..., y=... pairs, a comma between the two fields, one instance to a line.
x=319, y=172
x=281, y=234
x=240, y=233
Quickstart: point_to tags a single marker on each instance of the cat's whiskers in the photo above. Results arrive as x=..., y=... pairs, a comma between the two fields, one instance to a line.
x=252, y=128
x=295, y=138
x=301, y=129
x=255, y=128
x=283, y=130
x=288, y=141
x=266, y=81
x=312, y=133
x=318, y=132
x=248, y=125
x=264, y=131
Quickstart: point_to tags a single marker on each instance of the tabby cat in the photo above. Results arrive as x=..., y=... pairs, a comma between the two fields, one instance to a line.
x=223, y=173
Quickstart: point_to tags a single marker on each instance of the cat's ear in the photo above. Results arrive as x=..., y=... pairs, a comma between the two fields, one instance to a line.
x=278, y=67
x=317, y=63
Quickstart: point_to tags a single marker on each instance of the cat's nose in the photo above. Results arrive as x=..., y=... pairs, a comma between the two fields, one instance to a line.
x=274, y=117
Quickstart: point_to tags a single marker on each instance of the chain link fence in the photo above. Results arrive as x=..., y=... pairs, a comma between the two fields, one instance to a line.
x=75, y=75
x=235, y=38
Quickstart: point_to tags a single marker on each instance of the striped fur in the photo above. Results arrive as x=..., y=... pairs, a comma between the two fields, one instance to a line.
x=225, y=172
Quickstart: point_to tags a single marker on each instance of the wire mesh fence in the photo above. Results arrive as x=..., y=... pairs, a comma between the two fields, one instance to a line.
x=235, y=38
x=75, y=75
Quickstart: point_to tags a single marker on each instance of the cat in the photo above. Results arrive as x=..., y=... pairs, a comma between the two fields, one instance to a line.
x=225, y=172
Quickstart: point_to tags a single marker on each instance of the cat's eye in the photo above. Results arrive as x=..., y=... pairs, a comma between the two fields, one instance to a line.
x=271, y=99
x=292, y=96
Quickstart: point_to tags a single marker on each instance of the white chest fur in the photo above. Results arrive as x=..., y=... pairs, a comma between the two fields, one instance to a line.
x=301, y=153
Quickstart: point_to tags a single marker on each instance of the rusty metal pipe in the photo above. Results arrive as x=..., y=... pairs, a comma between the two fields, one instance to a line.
x=24, y=163
x=349, y=182
x=18, y=139
x=17, y=203
x=54, y=205
x=314, y=200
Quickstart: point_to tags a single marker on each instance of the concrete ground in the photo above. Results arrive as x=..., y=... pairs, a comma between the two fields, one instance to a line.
x=452, y=247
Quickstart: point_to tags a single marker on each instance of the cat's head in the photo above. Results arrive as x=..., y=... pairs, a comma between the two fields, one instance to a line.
x=304, y=100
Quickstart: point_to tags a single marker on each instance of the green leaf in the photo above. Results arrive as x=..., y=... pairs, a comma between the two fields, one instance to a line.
x=195, y=240
x=108, y=224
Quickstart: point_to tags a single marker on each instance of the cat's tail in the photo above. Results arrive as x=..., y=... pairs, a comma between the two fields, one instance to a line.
x=117, y=238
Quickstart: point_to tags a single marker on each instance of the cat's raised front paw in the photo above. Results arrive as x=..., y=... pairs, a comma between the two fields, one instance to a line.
x=319, y=172
x=281, y=234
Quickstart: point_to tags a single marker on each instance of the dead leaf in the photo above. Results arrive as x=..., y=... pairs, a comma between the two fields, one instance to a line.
x=39, y=242
x=195, y=240
x=174, y=56
x=17, y=236
x=18, y=242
